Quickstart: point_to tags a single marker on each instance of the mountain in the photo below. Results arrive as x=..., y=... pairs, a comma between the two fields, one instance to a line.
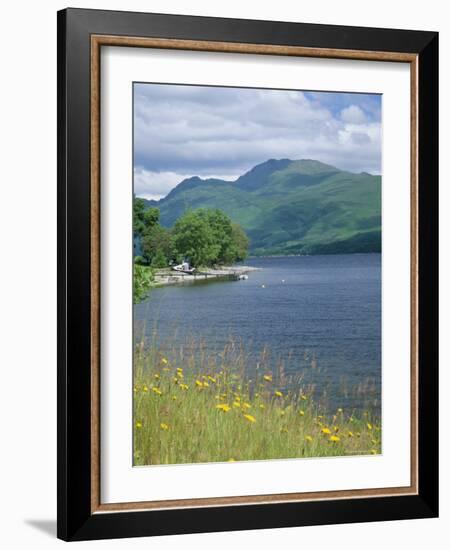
x=290, y=207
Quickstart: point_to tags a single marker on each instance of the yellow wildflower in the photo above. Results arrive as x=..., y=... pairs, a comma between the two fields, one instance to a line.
x=303, y=397
x=145, y=389
x=308, y=438
x=236, y=404
x=268, y=377
x=164, y=361
x=212, y=379
x=184, y=386
x=138, y=424
x=223, y=407
x=369, y=426
x=199, y=383
x=205, y=384
x=157, y=376
x=246, y=406
x=278, y=393
x=179, y=369
x=302, y=413
x=326, y=431
x=174, y=397
x=350, y=434
x=156, y=390
x=336, y=428
x=164, y=426
x=249, y=417
x=334, y=438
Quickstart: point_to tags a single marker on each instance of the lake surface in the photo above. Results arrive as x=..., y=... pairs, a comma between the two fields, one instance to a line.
x=319, y=315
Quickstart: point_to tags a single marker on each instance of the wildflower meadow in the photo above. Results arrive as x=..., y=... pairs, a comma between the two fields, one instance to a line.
x=195, y=407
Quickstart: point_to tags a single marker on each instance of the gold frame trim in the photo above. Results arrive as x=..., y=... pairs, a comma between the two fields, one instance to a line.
x=97, y=41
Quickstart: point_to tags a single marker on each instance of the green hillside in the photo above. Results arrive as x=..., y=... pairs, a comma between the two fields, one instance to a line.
x=290, y=207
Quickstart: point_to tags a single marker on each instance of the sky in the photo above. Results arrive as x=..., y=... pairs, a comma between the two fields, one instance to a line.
x=183, y=131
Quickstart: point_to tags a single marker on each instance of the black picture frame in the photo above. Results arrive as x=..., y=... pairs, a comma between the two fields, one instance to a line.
x=75, y=518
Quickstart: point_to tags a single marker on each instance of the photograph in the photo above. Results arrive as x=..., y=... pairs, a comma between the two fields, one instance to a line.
x=257, y=240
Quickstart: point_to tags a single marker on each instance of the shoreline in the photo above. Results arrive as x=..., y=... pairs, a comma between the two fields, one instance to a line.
x=256, y=257
x=166, y=277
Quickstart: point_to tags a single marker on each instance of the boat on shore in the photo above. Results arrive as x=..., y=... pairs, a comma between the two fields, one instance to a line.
x=184, y=268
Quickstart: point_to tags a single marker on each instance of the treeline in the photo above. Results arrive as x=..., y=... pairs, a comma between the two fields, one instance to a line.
x=204, y=237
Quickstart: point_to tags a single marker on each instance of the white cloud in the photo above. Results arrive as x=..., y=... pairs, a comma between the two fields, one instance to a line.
x=182, y=131
x=353, y=114
x=155, y=185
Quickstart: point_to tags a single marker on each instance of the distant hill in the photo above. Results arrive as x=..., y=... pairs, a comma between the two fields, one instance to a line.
x=290, y=207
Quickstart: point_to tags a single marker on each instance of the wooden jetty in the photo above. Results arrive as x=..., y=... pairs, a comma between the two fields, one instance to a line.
x=165, y=277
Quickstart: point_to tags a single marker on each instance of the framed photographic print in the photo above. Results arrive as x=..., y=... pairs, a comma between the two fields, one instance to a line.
x=247, y=274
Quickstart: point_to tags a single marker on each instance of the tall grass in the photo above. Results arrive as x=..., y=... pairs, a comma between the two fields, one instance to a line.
x=192, y=406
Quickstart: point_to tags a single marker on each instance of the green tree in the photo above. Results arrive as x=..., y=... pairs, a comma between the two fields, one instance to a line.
x=138, y=216
x=207, y=237
x=220, y=225
x=144, y=219
x=151, y=218
x=157, y=241
x=143, y=279
x=240, y=242
x=159, y=259
x=194, y=239
x=146, y=231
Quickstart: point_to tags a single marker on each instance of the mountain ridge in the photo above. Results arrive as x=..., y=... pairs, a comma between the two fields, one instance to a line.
x=290, y=206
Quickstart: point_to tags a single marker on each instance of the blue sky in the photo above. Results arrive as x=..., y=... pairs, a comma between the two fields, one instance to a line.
x=182, y=131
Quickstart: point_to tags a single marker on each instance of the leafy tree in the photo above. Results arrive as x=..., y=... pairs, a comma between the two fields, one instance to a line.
x=159, y=259
x=142, y=282
x=151, y=218
x=144, y=219
x=138, y=216
x=240, y=242
x=149, y=236
x=207, y=237
x=140, y=260
x=194, y=239
x=157, y=241
x=220, y=225
x=203, y=236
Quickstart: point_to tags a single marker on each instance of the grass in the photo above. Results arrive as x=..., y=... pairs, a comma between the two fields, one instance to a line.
x=193, y=406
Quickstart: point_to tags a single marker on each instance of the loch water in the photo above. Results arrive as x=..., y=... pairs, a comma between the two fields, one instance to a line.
x=320, y=316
